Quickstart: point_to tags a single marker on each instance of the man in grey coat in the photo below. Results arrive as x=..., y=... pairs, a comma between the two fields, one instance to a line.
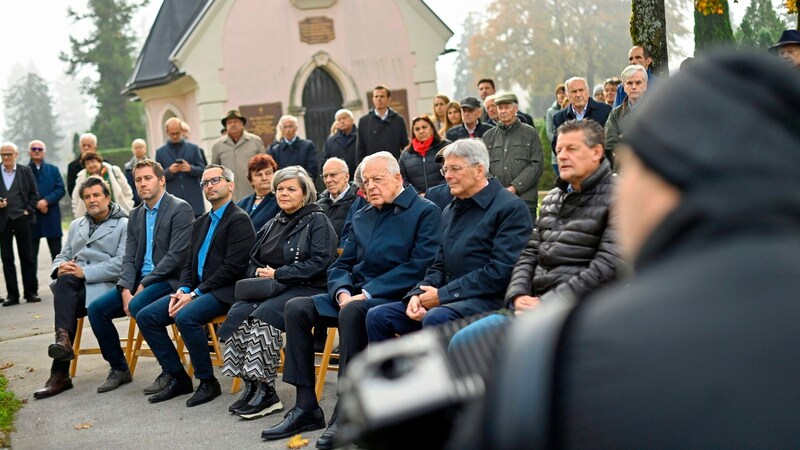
x=87, y=266
x=158, y=239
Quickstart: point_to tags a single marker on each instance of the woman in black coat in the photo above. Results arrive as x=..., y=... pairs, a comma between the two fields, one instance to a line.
x=294, y=249
x=418, y=164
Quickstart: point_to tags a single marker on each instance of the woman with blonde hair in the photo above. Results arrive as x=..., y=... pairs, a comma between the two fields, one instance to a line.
x=452, y=118
x=439, y=116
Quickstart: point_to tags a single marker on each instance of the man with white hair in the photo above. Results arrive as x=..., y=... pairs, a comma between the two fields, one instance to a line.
x=634, y=81
x=291, y=150
x=342, y=141
x=88, y=143
x=51, y=190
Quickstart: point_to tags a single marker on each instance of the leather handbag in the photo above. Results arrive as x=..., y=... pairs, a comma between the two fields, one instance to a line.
x=260, y=288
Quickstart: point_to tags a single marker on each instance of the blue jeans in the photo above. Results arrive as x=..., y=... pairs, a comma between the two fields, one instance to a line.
x=387, y=320
x=191, y=320
x=108, y=307
x=473, y=332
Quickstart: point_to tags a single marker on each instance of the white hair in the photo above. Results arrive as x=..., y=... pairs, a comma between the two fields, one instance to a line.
x=632, y=69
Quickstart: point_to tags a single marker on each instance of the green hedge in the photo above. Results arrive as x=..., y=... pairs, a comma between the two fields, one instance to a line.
x=548, y=179
x=9, y=405
x=117, y=156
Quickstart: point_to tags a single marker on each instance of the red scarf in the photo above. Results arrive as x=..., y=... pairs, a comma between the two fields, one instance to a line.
x=422, y=147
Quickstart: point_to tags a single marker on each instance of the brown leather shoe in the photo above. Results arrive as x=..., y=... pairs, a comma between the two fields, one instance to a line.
x=62, y=348
x=58, y=383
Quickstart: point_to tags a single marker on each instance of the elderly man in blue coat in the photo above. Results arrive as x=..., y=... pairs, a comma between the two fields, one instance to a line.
x=51, y=190
x=291, y=150
x=183, y=164
x=392, y=242
x=485, y=229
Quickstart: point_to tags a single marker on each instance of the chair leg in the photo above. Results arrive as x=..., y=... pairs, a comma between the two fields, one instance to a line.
x=76, y=346
x=236, y=385
x=137, y=348
x=323, y=365
x=129, y=340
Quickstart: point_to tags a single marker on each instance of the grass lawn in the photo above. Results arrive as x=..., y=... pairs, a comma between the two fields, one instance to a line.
x=9, y=404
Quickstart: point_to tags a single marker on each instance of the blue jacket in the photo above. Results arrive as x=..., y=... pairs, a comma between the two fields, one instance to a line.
x=301, y=153
x=386, y=252
x=267, y=209
x=594, y=110
x=184, y=185
x=440, y=195
x=51, y=188
x=482, y=239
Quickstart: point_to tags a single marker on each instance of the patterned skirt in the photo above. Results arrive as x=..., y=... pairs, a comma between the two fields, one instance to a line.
x=253, y=351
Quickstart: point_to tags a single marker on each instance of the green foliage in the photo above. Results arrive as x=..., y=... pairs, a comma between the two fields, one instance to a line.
x=711, y=30
x=548, y=179
x=9, y=405
x=761, y=27
x=110, y=50
x=649, y=28
x=29, y=115
x=116, y=156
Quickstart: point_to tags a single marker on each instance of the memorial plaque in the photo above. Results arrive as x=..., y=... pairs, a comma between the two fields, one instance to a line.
x=398, y=102
x=316, y=30
x=262, y=120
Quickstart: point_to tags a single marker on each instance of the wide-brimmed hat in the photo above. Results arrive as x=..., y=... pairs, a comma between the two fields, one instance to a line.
x=234, y=114
x=788, y=37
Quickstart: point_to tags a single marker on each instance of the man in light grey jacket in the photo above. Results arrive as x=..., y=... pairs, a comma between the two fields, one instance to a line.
x=88, y=265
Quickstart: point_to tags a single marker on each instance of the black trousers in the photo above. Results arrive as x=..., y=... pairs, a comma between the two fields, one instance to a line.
x=54, y=243
x=301, y=317
x=20, y=229
x=69, y=303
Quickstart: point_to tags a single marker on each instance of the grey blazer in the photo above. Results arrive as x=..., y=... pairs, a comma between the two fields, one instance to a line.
x=100, y=255
x=170, y=243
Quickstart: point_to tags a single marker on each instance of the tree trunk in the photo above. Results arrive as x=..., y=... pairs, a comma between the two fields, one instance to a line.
x=712, y=28
x=649, y=29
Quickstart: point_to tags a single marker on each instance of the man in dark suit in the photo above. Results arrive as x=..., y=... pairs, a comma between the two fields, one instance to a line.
x=183, y=165
x=471, y=125
x=581, y=106
x=18, y=197
x=88, y=143
x=217, y=258
x=51, y=189
x=382, y=128
x=158, y=238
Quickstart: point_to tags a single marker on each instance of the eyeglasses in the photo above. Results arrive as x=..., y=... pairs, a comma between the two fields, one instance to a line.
x=6, y=155
x=454, y=169
x=212, y=181
x=325, y=176
x=37, y=149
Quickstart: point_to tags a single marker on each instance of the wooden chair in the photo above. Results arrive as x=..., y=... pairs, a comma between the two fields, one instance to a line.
x=324, y=365
x=127, y=345
x=138, y=351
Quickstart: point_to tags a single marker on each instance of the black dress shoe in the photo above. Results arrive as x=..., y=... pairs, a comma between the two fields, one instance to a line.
x=250, y=388
x=328, y=439
x=173, y=389
x=56, y=384
x=33, y=298
x=207, y=391
x=265, y=401
x=158, y=385
x=11, y=301
x=295, y=421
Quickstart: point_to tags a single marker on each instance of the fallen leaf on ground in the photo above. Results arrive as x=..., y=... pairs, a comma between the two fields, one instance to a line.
x=24, y=401
x=297, y=441
x=83, y=426
x=30, y=369
x=6, y=365
x=37, y=316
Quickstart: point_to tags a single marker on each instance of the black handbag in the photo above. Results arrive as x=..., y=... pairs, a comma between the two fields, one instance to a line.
x=258, y=288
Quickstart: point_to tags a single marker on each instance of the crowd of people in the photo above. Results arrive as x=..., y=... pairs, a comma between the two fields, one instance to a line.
x=408, y=234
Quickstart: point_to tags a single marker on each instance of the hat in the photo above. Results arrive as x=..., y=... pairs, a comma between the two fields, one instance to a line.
x=506, y=97
x=470, y=103
x=234, y=114
x=788, y=37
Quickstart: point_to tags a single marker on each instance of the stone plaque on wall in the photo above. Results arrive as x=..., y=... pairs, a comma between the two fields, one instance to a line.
x=316, y=30
x=262, y=120
x=399, y=103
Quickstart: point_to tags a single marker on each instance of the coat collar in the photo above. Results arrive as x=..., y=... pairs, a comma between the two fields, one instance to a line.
x=485, y=196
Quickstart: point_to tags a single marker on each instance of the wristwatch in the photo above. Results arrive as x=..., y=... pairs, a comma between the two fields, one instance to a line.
x=193, y=295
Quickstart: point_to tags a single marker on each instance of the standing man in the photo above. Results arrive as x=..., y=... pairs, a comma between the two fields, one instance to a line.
x=18, y=199
x=291, y=150
x=485, y=89
x=51, y=189
x=342, y=143
x=88, y=266
x=88, y=143
x=634, y=81
x=471, y=125
x=183, y=165
x=218, y=256
x=235, y=148
x=639, y=55
x=581, y=106
x=139, y=150
x=382, y=128
x=158, y=238
x=515, y=152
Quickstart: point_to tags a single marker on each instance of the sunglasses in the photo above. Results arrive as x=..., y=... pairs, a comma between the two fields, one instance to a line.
x=37, y=149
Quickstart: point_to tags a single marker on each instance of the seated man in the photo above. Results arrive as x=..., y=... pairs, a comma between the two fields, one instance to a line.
x=339, y=194
x=392, y=242
x=88, y=265
x=218, y=255
x=485, y=229
x=573, y=249
x=158, y=236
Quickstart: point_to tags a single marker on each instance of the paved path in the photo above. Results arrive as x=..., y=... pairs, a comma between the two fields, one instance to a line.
x=121, y=419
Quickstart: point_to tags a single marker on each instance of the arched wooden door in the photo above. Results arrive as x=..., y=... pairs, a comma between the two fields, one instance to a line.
x=321, y=99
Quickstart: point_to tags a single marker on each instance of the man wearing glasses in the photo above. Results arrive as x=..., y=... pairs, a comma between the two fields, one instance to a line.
x=18, y=197
x=339, y=194
x=218, y=255
x=51, y=189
